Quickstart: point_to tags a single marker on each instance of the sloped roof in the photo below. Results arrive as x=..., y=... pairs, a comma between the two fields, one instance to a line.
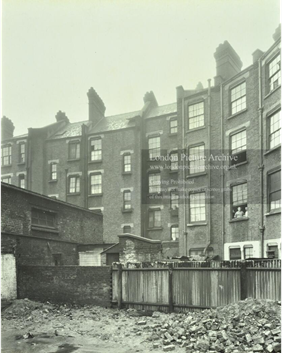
x=70, y=130
x=163, y=110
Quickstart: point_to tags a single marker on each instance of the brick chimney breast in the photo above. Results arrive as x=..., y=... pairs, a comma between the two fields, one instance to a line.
x=61, y=116
x=7, y=128
x=228, y=62
x=150, y=97
x=96, y=106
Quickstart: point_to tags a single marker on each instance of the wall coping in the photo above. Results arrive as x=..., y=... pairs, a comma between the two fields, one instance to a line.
x=137, y=237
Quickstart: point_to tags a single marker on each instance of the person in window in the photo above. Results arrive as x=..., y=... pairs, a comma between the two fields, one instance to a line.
x=239, y=213
x=246, y=212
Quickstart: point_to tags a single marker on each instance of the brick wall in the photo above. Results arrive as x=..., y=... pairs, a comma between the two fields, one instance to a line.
x=67, y=284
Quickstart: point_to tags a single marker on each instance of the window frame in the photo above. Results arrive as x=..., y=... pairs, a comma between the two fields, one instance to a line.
x=22, y=177
x=171, y=120
x=269, y=116
x=76, y=143
x=234, y=248
x=77, y=178
x=236, y=100
x=174, y=226
x=124, y=164
x=244, y=204
x=157, y=149
x=93, y=185
x=155, y=224
x=159, y=186
x=190, y=207
x=9, y=177
x=271, y=172
x=269, y=90
x=53, y=172
x=241, y=152
x=9, y=155
x=175, y=192
x=127, y=202
x=203, y=161
x=98, y=138
x=175, y=162
x=46, y=212
x=22, y=160
x=196, y=116
x=126, y=226
x=244, y=251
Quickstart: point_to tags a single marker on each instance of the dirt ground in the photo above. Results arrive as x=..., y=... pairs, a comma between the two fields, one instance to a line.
x=44, y=328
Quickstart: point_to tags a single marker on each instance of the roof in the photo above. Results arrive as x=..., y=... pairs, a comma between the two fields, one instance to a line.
x=69, y=130
x=163, y=110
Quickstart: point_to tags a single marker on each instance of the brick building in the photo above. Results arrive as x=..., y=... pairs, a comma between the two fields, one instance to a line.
x=39, y=230
x=203, y=171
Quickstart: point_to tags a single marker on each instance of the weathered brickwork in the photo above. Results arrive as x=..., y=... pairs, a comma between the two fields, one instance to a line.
x=67, y=284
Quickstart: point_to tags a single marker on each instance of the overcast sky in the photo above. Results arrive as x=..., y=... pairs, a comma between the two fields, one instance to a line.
x=55, y=50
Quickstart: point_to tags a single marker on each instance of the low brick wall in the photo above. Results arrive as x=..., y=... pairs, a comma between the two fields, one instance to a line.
x=65, y=284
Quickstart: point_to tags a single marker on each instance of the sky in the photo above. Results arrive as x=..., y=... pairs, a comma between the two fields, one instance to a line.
x=53, y=51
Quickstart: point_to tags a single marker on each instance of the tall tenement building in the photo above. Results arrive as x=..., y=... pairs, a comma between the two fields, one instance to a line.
x=201, y=174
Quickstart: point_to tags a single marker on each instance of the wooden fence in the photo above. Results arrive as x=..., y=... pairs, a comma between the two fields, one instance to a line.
x=198, y=285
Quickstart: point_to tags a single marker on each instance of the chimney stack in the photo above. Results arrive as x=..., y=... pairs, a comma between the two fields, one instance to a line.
x=96, y=106
x=228, y=63
x=7, y=129
x=256, y=55
x=61, y=116
x=277, y=33
x=150, y=97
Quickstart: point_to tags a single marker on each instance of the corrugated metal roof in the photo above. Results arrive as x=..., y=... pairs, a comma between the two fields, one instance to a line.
x=163, y=110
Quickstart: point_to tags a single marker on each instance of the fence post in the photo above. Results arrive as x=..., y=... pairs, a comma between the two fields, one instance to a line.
x=243, y=280
x=170, y=288
x=119, y=286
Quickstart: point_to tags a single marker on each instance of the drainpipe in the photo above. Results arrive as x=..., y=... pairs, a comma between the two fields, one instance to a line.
x=261, y=167
x=222, y=170
x=84, y=160
x=185, y=234
x=209, y=171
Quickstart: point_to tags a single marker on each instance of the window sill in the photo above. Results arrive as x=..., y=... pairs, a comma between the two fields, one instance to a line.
x=272, y=150
x=197, y=224
x=241, y=219
x=21, y=163
x=151, y=194
x=53, y=181
x=173, y=171
x=196, y=129
x=73, y=160
x=45, y=229
x=125, y=210
x=126, y=173
x=73, y=194
x=96, y=195
x=236, y=114
x=196, y=175
x=234, y=166
x=270, y=93
x=272, y=213
x=157, y=228
x=172, y=134
x=6, y=165
x=95, y=161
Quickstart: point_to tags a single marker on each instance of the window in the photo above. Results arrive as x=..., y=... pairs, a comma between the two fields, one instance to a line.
x=196, y=115
x=126, y=229
x=74, y=184
x=238, y=98
x=22, y=181
x=74, y=150
x=174, y=232
x=96, y=149
x=127, y=163
x=274, y=129
x=22, y=153
x=155, y=218
x=197, y=159
x=173, y=126
x=174, y=199
x=154, y=147
x=238, y=147
x=272, y=251
x=43, y=218
x=6, y=155
x=196, y=252
x=53, y=170
x=274, y=73
x=235, y=253
x=248, y=252
x=239, y=201
x=127, y=200
x=154, y=183
x=95, y=184
x=174, y=161
x=57, y=258
x=7, y=179
x=197, y=207
x=274, y=190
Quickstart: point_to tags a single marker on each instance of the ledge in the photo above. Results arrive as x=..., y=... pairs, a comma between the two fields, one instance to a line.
x=6, y=165
x=270, y=93
x=74, y=194
x=53, y=181
x=190, y=176
x=173, y=134
x=273, y=213
x=127, y=210
x=139, y=238
x=234, y=166
x=236, y=114
x=196, y=129
x=96, y=161
x=272, y=149
x=73, y=160
x=241, y=219
x=21, y=163
x=126, y=173
x=173, y=171
x=44, y=229
x=96, y=195
x=197, y=224
x=153, y=229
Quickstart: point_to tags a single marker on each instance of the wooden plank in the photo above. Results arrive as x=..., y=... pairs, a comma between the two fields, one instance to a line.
x=119, y=285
